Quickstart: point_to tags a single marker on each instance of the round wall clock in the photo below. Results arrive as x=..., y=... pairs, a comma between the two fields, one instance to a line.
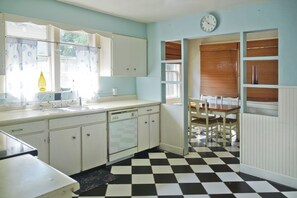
x=208, y=23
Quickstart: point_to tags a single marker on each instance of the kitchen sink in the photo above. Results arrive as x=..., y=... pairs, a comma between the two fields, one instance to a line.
x=70, y=109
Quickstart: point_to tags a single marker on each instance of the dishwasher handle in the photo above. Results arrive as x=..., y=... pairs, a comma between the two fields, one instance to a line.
x=124, y=115
x=121, y=111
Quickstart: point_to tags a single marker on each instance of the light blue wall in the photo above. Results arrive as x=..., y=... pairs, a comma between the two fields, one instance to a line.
x=55, y=11
x=108, y=83
x=279, y=14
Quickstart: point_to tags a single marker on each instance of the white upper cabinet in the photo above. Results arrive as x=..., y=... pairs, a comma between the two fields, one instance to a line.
x=128, y=56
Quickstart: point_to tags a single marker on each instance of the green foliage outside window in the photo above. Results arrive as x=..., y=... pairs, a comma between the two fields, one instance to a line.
x=72, y=38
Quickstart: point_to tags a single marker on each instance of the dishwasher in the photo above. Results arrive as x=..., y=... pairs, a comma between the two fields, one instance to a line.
x=122, y=137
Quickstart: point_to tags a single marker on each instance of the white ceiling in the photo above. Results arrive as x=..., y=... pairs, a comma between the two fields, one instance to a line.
x=148, y=11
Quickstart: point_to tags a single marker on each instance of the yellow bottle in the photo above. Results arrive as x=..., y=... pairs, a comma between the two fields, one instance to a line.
x=41, y=83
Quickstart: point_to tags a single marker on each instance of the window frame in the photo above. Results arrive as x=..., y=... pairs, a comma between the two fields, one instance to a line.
x=53, y=38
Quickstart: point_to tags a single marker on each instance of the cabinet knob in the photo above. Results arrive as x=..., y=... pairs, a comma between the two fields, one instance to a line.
x=73, y=137
x=127, y=69
x=153, y=120
x=145, y=122
x=88, y=134
x=134, y=69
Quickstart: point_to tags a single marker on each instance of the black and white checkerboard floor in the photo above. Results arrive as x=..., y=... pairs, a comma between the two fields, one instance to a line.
x=211, y=171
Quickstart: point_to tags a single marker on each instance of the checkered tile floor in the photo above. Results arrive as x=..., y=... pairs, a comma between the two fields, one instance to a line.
x=211, y=171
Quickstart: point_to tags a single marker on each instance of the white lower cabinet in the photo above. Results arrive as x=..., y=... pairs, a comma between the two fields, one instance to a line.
x=148, y=128
x=94, y=146
x=154, y=130
x=65, y=150
x=81, y=147
x=32, y=133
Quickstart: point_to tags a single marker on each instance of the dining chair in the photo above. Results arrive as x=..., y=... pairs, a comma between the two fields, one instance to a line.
x=198, y=111
x=231, y=120
x=212, y=99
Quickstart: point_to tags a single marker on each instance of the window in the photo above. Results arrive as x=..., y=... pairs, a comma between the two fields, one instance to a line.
x=78, y=62
x=67, y=60
x=173, y=74
x=219, y=69
x=26, y=55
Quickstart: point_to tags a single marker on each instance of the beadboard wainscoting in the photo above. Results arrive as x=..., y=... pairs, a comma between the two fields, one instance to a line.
x=268, y=144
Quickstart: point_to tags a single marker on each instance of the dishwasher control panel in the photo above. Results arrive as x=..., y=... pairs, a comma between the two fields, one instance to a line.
x=122, y=115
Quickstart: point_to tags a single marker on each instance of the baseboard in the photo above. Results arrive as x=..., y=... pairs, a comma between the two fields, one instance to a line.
x=172, y=149
x=271, y=176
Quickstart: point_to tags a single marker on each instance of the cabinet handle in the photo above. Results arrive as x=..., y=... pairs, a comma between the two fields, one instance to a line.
x=88, y=134
x=145, y=122
x=134, y=69
x=153, y=120
x=149, y=110
x=16, y=130
x=127, y=69
x=73, y=137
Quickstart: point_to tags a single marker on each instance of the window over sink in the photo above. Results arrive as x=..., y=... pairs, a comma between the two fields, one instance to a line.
x=68, y=59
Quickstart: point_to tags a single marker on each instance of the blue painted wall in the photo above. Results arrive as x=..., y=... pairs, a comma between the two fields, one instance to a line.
x=52, y=10
x=280, y=14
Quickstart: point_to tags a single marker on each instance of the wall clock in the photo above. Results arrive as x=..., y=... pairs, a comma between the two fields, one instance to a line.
x=208, y=23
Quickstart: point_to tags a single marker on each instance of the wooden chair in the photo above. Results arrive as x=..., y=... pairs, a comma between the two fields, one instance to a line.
x=211, y=99
x=231, y=120
x=198, y=112
x=214, y=100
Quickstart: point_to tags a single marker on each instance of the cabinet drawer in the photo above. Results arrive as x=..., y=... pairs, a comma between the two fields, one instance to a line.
x=148, y=110
x=76, y=120
x=24, y=128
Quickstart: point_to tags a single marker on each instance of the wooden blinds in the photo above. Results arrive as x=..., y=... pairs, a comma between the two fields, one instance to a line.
x=219, y=69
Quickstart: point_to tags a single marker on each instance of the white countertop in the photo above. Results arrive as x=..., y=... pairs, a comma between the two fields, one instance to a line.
x=25, y=176
x=11, y=117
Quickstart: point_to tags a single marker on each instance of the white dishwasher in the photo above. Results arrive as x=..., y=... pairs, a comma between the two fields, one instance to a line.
x=122, y=137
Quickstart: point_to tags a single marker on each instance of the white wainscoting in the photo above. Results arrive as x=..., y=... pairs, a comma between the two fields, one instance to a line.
x=269, y=144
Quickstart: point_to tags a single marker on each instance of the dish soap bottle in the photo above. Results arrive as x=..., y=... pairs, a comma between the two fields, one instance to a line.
x=41, y=83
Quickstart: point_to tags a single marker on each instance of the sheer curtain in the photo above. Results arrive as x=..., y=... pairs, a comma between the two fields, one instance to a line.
x=79, y=71
x=88, y=77
x=21, y=69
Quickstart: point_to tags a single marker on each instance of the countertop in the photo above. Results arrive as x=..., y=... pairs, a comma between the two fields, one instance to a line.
x=25, y=176
x=11, y=147
x=11, y=117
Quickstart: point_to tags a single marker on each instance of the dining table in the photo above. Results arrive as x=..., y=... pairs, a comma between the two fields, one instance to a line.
x=224, y=110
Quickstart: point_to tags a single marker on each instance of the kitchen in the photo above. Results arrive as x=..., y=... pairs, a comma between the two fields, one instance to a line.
x=149, y=88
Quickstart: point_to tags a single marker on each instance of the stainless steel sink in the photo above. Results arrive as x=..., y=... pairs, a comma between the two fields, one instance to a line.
x=70, y=109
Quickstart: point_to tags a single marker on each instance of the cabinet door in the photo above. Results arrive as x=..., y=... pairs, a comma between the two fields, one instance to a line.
x=143, y=133
x=154, y=130
x=39, y=141
x=121, y=55
x=65, y=150
x=94, y=146
x=138, y=57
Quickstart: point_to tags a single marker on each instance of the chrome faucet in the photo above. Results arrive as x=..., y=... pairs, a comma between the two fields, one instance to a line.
x=42, y=99
x=80, y=101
